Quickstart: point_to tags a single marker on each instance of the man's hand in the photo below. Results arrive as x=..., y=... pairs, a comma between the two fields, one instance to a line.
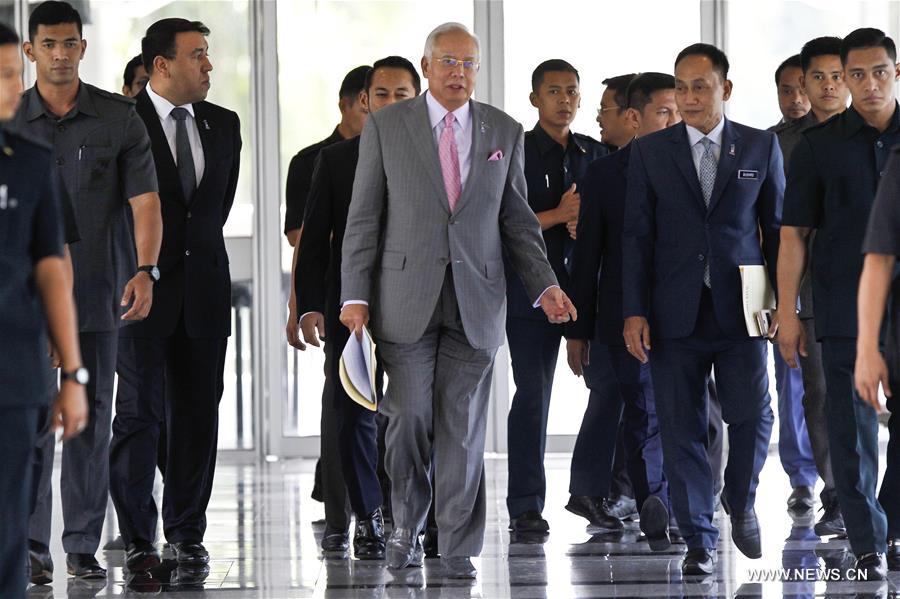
x=310, y=324
x=869, y=372
x=54, y=355
x=572, y=228
x=355, y=317
x=557, y=306
x=292, y=328
x=577, y=351
x=70, y=410
x=139, y=293
x=637, y=337
x=790, y=336
x=569, y=205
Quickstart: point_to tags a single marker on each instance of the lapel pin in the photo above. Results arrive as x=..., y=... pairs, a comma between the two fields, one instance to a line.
x=731, y=150
x=206, y=126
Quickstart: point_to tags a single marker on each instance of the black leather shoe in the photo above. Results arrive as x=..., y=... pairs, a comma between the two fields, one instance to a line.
x=141, y=556
x=622, y=507
x=85, y=566
x=655, y=523
x=458, y=568
x=871, y=566
x=745, y=534
x=800, y=502
x=430, y=542
x=699, y=562
x=41, y=563
x=596, y=511
x=190, y=553
x=404, y=549
x=893, y=555
x=832, y=521
x=335, y=542
x=368, y=539
x=530, y=521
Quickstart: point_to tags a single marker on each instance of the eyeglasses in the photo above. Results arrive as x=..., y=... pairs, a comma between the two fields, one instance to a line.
x=601, y=110
x=451, y=63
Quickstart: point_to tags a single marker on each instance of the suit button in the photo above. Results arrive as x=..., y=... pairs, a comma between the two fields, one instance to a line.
x=187, y=252
x=189, y=215
x=60, y=161
x=879, y=144
x=700, y=257
x=60, y=127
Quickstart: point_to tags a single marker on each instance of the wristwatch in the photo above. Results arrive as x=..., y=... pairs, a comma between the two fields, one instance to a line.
x=151, y=270
x=80, y=375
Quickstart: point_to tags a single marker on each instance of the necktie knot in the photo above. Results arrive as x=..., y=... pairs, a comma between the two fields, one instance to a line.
x=179, y=114
x=449, y=119
x=706, y=142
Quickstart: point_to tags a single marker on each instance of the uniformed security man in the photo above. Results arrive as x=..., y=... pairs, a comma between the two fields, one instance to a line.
x=555, y=161
x=102, y=152
x=35, y=292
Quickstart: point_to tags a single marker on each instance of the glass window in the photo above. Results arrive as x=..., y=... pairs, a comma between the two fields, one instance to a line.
x=787, y=26
x=113, y=31
x=603, y=41
x=318, y=43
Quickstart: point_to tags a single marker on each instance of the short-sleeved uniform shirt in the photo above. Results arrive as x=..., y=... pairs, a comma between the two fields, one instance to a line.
x=299, y=181
x=102, y=153
x=550, y=170
x=30, y=230
x=831, y=184
x=883, y=237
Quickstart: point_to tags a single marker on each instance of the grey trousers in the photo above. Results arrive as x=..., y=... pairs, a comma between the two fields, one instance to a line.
x=436, y=405
x=84, y=483
x=814, y=406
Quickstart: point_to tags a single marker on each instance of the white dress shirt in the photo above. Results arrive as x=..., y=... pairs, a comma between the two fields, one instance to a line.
x=697, y=149
x=462, y=130
x=164, y=110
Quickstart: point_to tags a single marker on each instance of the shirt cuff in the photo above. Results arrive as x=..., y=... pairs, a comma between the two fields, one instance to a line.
x=354, y=302
x=537, y=302
x=302, y=316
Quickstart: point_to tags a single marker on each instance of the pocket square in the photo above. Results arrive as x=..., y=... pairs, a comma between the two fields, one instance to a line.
x=497, y=155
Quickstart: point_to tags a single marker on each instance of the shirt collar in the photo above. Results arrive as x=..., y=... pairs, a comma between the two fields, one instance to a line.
x=436, y=112
x=35, y=106
x=163, y=107
x=695, y=135
x=546, y=143
x=853, y=121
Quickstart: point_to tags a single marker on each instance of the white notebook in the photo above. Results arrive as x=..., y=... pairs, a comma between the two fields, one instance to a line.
x=757, y=297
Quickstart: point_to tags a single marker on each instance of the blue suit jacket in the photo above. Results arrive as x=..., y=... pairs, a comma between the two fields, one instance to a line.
x=670, y=234
x=599, y=249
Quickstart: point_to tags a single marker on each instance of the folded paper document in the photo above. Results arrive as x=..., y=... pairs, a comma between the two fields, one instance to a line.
x=758, y=299
x=357, y=370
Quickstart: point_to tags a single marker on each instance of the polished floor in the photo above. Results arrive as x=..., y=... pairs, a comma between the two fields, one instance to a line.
x=263, y=539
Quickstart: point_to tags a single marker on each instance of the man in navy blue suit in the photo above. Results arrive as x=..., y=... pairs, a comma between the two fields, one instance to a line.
x=598, y=250
x=699, y=194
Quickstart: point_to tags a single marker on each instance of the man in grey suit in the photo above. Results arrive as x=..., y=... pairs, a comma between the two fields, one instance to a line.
x=439, y=196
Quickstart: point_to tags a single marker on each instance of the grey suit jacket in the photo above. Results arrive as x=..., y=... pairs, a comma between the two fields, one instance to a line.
x=401, y=235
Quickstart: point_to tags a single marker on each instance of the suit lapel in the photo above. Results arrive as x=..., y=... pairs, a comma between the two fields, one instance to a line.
x=477, y=153
x=419, y=127
x=167, y=171
x=681, y=153
x=728, y=161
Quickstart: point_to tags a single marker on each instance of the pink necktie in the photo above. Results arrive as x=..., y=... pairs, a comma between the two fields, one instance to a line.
x=450, y=161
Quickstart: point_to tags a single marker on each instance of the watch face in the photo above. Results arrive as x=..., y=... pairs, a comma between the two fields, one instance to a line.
x=154, y=272
x=81, y=375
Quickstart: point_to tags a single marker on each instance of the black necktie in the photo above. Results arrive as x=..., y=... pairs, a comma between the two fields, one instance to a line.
x=184, y=158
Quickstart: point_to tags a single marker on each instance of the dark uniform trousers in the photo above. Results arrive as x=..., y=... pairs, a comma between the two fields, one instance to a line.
x=188, y=393
x=18, y=433
x=680, y=370
x=853, y=431
x=814, y=398
x=84, y=479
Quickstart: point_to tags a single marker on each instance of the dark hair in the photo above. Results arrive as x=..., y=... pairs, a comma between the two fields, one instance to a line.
x=130, y=69
x=619, y=84
x=353, y=83
x=53, y=13
x=790, y=62
x=394, y=62
x=716, y=56
x=8, y=35
x=160, y=39
x=867, y=37
x=554, y=65
x=644, y=85
x=820, y=46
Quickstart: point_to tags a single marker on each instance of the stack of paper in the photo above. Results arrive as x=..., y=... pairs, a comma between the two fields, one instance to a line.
x=357, y=370
x=758, y=299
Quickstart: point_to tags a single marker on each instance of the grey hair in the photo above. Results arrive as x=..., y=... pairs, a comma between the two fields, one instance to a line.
x=447, y=28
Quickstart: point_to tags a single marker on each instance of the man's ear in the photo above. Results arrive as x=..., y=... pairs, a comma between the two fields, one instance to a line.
x=28, y=49
x=728, y=87
x=364, y=100
x=532, y=97
x=634, y=118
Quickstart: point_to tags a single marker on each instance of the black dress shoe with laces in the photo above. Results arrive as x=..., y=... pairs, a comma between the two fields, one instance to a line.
x=41, y=563
x=871, y=566
x=655, y=523
x=745, y=534
x=699, y=562
x=596, y=511
x=190, y=553
x=530, y=521
x=368, y=539
x=832, y=521
x=893, y=555
x=800, y=502
x=141, y=556
x=85, y=566
x=335, y=542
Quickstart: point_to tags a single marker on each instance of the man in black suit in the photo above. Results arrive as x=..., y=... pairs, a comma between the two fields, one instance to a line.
x=318, y=279
x=175, y=357
x=650, y=107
